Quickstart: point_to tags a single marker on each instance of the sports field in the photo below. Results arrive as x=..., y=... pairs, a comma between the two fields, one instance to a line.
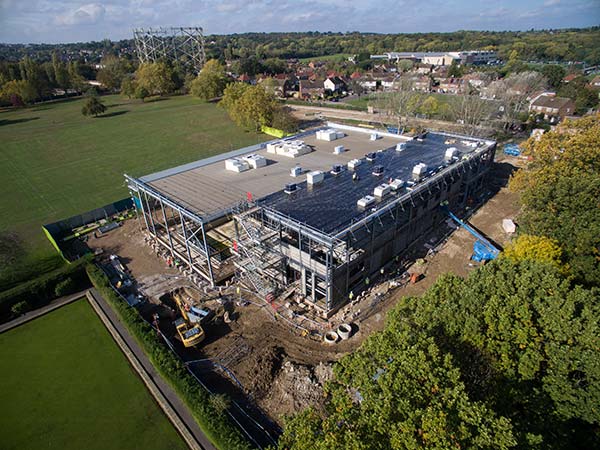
x=55, y=163
x=66, y=385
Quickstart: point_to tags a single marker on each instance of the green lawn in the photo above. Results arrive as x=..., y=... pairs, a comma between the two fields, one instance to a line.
x=336, y=57
x=55, y=163
x=66, y=385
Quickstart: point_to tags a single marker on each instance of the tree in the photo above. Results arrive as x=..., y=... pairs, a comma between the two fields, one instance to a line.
x=559, y=191
x=61, y=74
x=156, y=78
x=141, y=92
x=93, y=107
x=470, y=110
x=515, y=92
x=455, y=70
x=399, y=102
x=128, y=86
x=534, y=248
x=210, y=82
x=112, y=72
x=429, y=107
x=284, y=120
x=404, y=65
x=19, y=91
x=554, y=74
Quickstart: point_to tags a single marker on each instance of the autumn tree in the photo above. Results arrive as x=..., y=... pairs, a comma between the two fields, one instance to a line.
x=249, y=106
x=534, y=248
x=469, y=110
x=155, y=78
x=128, y=86
x=112, y=73
x=560, y=189
x=210, y=82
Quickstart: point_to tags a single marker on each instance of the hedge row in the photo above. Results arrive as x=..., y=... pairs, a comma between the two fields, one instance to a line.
x=39, y=291
x=214, y=423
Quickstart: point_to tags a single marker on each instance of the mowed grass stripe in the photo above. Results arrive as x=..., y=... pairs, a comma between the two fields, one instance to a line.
x=66, y=385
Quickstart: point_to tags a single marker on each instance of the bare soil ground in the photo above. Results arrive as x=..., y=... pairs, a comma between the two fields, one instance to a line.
x=280, y=367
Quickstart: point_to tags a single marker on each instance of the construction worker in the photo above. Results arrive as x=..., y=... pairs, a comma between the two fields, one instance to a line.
x=367, y=281
x=351, y=295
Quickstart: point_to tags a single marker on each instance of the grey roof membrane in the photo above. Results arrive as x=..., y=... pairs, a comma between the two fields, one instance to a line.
x=331, y=206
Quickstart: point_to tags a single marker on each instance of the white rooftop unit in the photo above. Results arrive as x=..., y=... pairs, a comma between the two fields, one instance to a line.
x=400, y=146
x=340, y=134
x=451, y=152
x=419, y=169
x=255, y=160
x=296, y=171
x=338, y=150
x=353, y=163
x=508, y=226
x=236, y=165
x=382, y=190
x=374, y=137
x=366, y=201
x=315, y=177
x=327, y=135
x=396, y=184
x=290, y=149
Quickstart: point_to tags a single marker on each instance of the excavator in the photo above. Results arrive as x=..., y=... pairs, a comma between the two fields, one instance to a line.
x=190, y=331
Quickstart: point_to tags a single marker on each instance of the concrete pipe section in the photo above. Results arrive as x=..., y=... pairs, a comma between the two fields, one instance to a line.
x=344, y=331
x=331, y=337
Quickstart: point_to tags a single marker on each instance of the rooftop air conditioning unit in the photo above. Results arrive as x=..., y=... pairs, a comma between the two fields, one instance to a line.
x=378, y=170
x=367, y=200
x=420, y=169
x=374, y=137
x=382, y=190
x=400, y=146
x=236, y=165
x=336, y=169
x=255, y=161
x=338, y=150
x=451, y=153
x=290, y=188
x=354, y=163
x=315, y=177
x=397, y=184
x=371, y=156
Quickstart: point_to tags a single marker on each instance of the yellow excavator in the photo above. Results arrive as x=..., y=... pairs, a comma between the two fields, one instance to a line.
x=190, y=332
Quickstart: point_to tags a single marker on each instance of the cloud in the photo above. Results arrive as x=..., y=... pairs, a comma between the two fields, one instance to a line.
x=89, y=14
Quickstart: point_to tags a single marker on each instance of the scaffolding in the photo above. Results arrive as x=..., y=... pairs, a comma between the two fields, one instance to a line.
x=182, y=44
x=275, y=248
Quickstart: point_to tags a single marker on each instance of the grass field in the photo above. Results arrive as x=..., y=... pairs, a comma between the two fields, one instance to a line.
x=55, y=163
x=336, y=57
x=66, y=385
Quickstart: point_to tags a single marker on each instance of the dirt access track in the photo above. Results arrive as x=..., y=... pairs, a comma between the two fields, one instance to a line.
x=279, y=367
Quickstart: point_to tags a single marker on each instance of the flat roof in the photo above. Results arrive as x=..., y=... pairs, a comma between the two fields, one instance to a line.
x=207, y=189
x=331, y=206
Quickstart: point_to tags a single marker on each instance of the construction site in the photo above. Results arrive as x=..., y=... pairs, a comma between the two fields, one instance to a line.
x=265, y=265
x=314, y=217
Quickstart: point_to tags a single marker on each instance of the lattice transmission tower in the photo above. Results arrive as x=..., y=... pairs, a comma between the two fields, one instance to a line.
x=184, y=44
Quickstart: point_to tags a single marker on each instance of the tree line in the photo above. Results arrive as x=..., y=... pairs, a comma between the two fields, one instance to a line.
x=506, y=358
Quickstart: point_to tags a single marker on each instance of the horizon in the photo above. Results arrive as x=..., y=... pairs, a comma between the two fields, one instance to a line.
x=561, y=29
x=78, y=21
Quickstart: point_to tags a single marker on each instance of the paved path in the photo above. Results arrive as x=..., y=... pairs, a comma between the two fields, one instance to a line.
x=166, y=391
x=55, y=304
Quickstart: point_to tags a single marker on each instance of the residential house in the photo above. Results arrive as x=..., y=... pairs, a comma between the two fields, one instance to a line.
x=422, y=84
x=335, y=85
x=552, y=107
x=311, y=89
x=450, y=85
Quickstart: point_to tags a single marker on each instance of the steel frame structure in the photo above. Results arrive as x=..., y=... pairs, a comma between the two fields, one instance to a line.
x=185, y=44
x=328, y=259
x=274, y=250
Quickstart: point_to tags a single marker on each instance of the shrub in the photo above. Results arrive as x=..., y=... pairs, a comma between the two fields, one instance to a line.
x=20, y=308
x=65, y=287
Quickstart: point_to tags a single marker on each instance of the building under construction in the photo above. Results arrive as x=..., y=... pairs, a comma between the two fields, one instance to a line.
x=319, y=213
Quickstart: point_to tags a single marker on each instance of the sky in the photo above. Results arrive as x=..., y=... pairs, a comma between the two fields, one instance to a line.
x=55, y=21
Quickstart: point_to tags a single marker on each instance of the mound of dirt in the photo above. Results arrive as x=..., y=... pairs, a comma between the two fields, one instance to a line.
x=297, y=387
x=259, y=369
